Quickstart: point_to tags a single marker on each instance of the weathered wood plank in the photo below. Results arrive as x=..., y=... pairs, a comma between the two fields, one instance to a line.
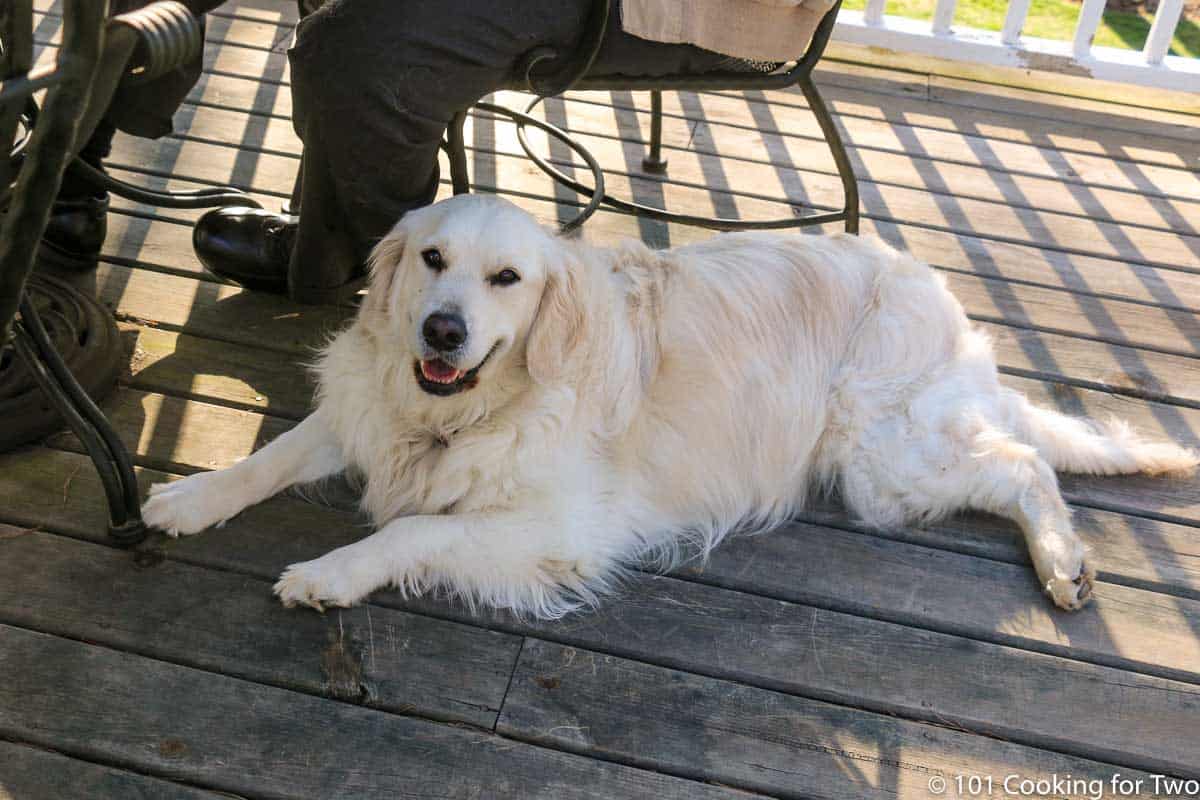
x=282, y=13
x=883, y=667
x=1104, y=366
x=135, y=240
x=177, y=434
x=232, y=624
x=984, y=599
x=1038, y=109
x=275, y=11
x=880, y=94
x=191, y=725
x=961, y=146
x=918, y=167
x=937, y=197
x=1095, y=711
x=1077, y=110
x=215, y=310
x=197, y=368
x=56, y=590
x=787, y=746
x=1126, y=549
x=59, y=491
x=27, y=773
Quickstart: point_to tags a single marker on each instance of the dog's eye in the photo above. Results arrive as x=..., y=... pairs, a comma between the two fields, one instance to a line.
x=505, y=277
x=433, y=259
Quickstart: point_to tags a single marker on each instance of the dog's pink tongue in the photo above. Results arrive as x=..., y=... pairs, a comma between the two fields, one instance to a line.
x=437, y=370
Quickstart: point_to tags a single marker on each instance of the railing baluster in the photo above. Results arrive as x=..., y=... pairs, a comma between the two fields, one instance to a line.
x=1085, y=29
x=1163, y=30
x=873, y=13
x=943, y=16
x=947, y=37
x=1014, y=20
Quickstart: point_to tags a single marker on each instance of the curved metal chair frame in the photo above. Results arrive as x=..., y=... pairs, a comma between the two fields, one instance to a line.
x=573, y=75
x=97, y=53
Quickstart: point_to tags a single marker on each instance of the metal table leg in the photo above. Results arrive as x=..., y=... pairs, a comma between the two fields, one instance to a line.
x=93, y=59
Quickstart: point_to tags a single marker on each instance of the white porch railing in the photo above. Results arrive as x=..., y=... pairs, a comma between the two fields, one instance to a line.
x=940, y=38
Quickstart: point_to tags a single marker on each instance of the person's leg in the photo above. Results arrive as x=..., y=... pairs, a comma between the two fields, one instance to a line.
x=374, y=85
x=77, y=225
x=78, y=220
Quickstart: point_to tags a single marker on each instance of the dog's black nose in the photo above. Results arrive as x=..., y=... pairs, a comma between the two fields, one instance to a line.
x=444, y=332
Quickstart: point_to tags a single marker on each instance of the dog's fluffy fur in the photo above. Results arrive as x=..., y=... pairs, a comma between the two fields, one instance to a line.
x=631, y=404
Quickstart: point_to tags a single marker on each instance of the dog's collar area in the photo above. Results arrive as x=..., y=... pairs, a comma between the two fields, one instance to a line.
x=467, y=380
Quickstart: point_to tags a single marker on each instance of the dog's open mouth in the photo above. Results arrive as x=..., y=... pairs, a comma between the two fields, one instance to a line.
x=438, y=377
x=439, y=371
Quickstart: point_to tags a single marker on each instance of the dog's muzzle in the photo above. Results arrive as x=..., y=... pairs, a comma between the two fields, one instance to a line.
x=439, y=377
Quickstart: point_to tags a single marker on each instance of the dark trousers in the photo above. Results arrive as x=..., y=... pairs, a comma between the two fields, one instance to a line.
x=146, y=109
x=376, y=82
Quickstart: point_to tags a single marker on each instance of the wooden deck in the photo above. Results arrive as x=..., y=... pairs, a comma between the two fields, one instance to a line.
x=819, y=661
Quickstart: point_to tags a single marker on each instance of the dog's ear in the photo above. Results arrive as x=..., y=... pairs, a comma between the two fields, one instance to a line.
x=560, y=326
x=382, y=265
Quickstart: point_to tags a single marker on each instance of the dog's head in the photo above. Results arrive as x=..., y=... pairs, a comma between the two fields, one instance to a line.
x=474, y=286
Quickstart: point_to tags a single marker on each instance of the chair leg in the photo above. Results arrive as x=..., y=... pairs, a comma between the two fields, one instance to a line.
x=456, y=150
x=837, y=149
x=653, y=161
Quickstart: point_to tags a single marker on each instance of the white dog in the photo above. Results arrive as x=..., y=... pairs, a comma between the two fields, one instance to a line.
x=532, y=416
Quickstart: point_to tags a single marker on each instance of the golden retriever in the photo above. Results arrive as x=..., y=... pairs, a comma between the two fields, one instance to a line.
x=531, y=415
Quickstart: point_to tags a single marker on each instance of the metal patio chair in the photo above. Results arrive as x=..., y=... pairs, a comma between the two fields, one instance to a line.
x=548, y=73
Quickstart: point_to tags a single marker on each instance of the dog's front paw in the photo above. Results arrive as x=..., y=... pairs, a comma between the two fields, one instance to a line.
x=190, y=505
x=1072, y=593
x=319, y=583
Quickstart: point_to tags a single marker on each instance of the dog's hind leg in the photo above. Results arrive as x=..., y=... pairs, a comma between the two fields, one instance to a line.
x=967, y=462
x=305, y=453
x=1013, y=480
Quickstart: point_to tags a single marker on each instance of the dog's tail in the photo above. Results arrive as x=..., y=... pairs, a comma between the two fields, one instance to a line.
x=1072, y=444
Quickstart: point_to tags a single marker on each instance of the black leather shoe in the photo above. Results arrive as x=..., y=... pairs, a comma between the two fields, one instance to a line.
x=248, y=246
x=75, y=232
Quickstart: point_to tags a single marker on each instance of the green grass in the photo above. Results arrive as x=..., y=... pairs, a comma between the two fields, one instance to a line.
x=1052, y=19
